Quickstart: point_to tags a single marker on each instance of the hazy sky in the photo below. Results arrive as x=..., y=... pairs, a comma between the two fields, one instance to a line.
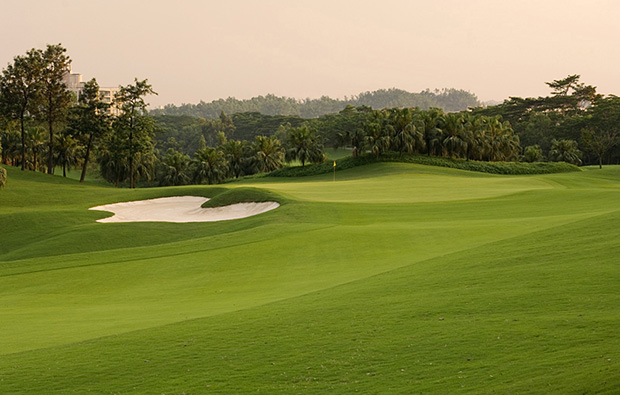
x=193, y=50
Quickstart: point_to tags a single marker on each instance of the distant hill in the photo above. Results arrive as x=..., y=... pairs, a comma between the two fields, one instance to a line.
x=446, y=99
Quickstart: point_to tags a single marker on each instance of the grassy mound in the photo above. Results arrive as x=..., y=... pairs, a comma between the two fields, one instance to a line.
x=508, y=168
x=243, y=195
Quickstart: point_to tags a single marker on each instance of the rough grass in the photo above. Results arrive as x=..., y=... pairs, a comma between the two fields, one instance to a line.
x=397, y=278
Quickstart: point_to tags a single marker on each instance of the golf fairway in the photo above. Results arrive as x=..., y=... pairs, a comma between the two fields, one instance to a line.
x=395, y=278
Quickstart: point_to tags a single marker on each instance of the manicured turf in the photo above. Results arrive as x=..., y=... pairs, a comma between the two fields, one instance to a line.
x=396, y=278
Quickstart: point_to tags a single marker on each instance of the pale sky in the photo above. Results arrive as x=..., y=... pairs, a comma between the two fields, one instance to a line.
x=193, y=50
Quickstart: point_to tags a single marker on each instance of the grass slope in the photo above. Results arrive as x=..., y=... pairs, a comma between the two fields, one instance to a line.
x=396, y=278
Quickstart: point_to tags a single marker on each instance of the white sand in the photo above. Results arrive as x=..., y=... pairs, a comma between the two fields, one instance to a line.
x=180, y=209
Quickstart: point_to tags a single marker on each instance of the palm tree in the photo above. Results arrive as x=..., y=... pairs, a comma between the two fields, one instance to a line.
x=358, y=139
x=235, y=153
x=11, y=147
x=35, y=142
x=172, y=169
x=378, y=133
x=503, y=144
x=475, y=136
x=112, y=159
x=512, y=146
x=209, y=164
x=454, y=141
x=67, y=152
x=408, y=130
x=304, y=144
x=565, y=150
x=268, y=153
x=532, y=153
x=144, y=163
x=430, y=122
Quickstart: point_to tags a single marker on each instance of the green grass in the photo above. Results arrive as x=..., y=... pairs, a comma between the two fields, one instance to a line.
x=396, y=278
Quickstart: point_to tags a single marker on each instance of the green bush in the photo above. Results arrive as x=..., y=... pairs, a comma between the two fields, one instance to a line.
x=461, y=164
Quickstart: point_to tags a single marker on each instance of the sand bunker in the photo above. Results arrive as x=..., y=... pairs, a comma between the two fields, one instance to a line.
x=180, y=209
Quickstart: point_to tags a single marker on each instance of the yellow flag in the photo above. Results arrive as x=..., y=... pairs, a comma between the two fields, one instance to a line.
x=334, y=163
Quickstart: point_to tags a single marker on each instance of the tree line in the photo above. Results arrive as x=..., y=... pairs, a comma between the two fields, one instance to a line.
x=363, y=130
x=574, y=123
x=43, y=126
x=446, y=99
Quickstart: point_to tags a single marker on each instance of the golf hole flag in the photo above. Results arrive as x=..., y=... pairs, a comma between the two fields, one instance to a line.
x=334, y=163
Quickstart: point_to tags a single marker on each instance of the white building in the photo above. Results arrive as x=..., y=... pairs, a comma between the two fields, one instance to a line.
x=74, y=83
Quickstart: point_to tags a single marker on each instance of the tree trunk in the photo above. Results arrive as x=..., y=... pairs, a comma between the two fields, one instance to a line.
x=131, y=180
x=23, y=144
x=90, y=142
x=131, y=185
x=50, y=160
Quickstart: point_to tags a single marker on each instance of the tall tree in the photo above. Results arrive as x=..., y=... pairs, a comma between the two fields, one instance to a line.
x=563, y=86
x=19, y=86
x=133, y=121
x=54, y=98
x=89, y=119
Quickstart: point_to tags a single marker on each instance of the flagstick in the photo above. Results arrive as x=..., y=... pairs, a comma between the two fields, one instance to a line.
x=334, y=171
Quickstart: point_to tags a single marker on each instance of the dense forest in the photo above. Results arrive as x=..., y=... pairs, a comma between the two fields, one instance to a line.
x=447, y=99
x=573, y=124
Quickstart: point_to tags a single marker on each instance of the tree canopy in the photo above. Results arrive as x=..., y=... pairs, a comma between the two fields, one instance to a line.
x=446, y=99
